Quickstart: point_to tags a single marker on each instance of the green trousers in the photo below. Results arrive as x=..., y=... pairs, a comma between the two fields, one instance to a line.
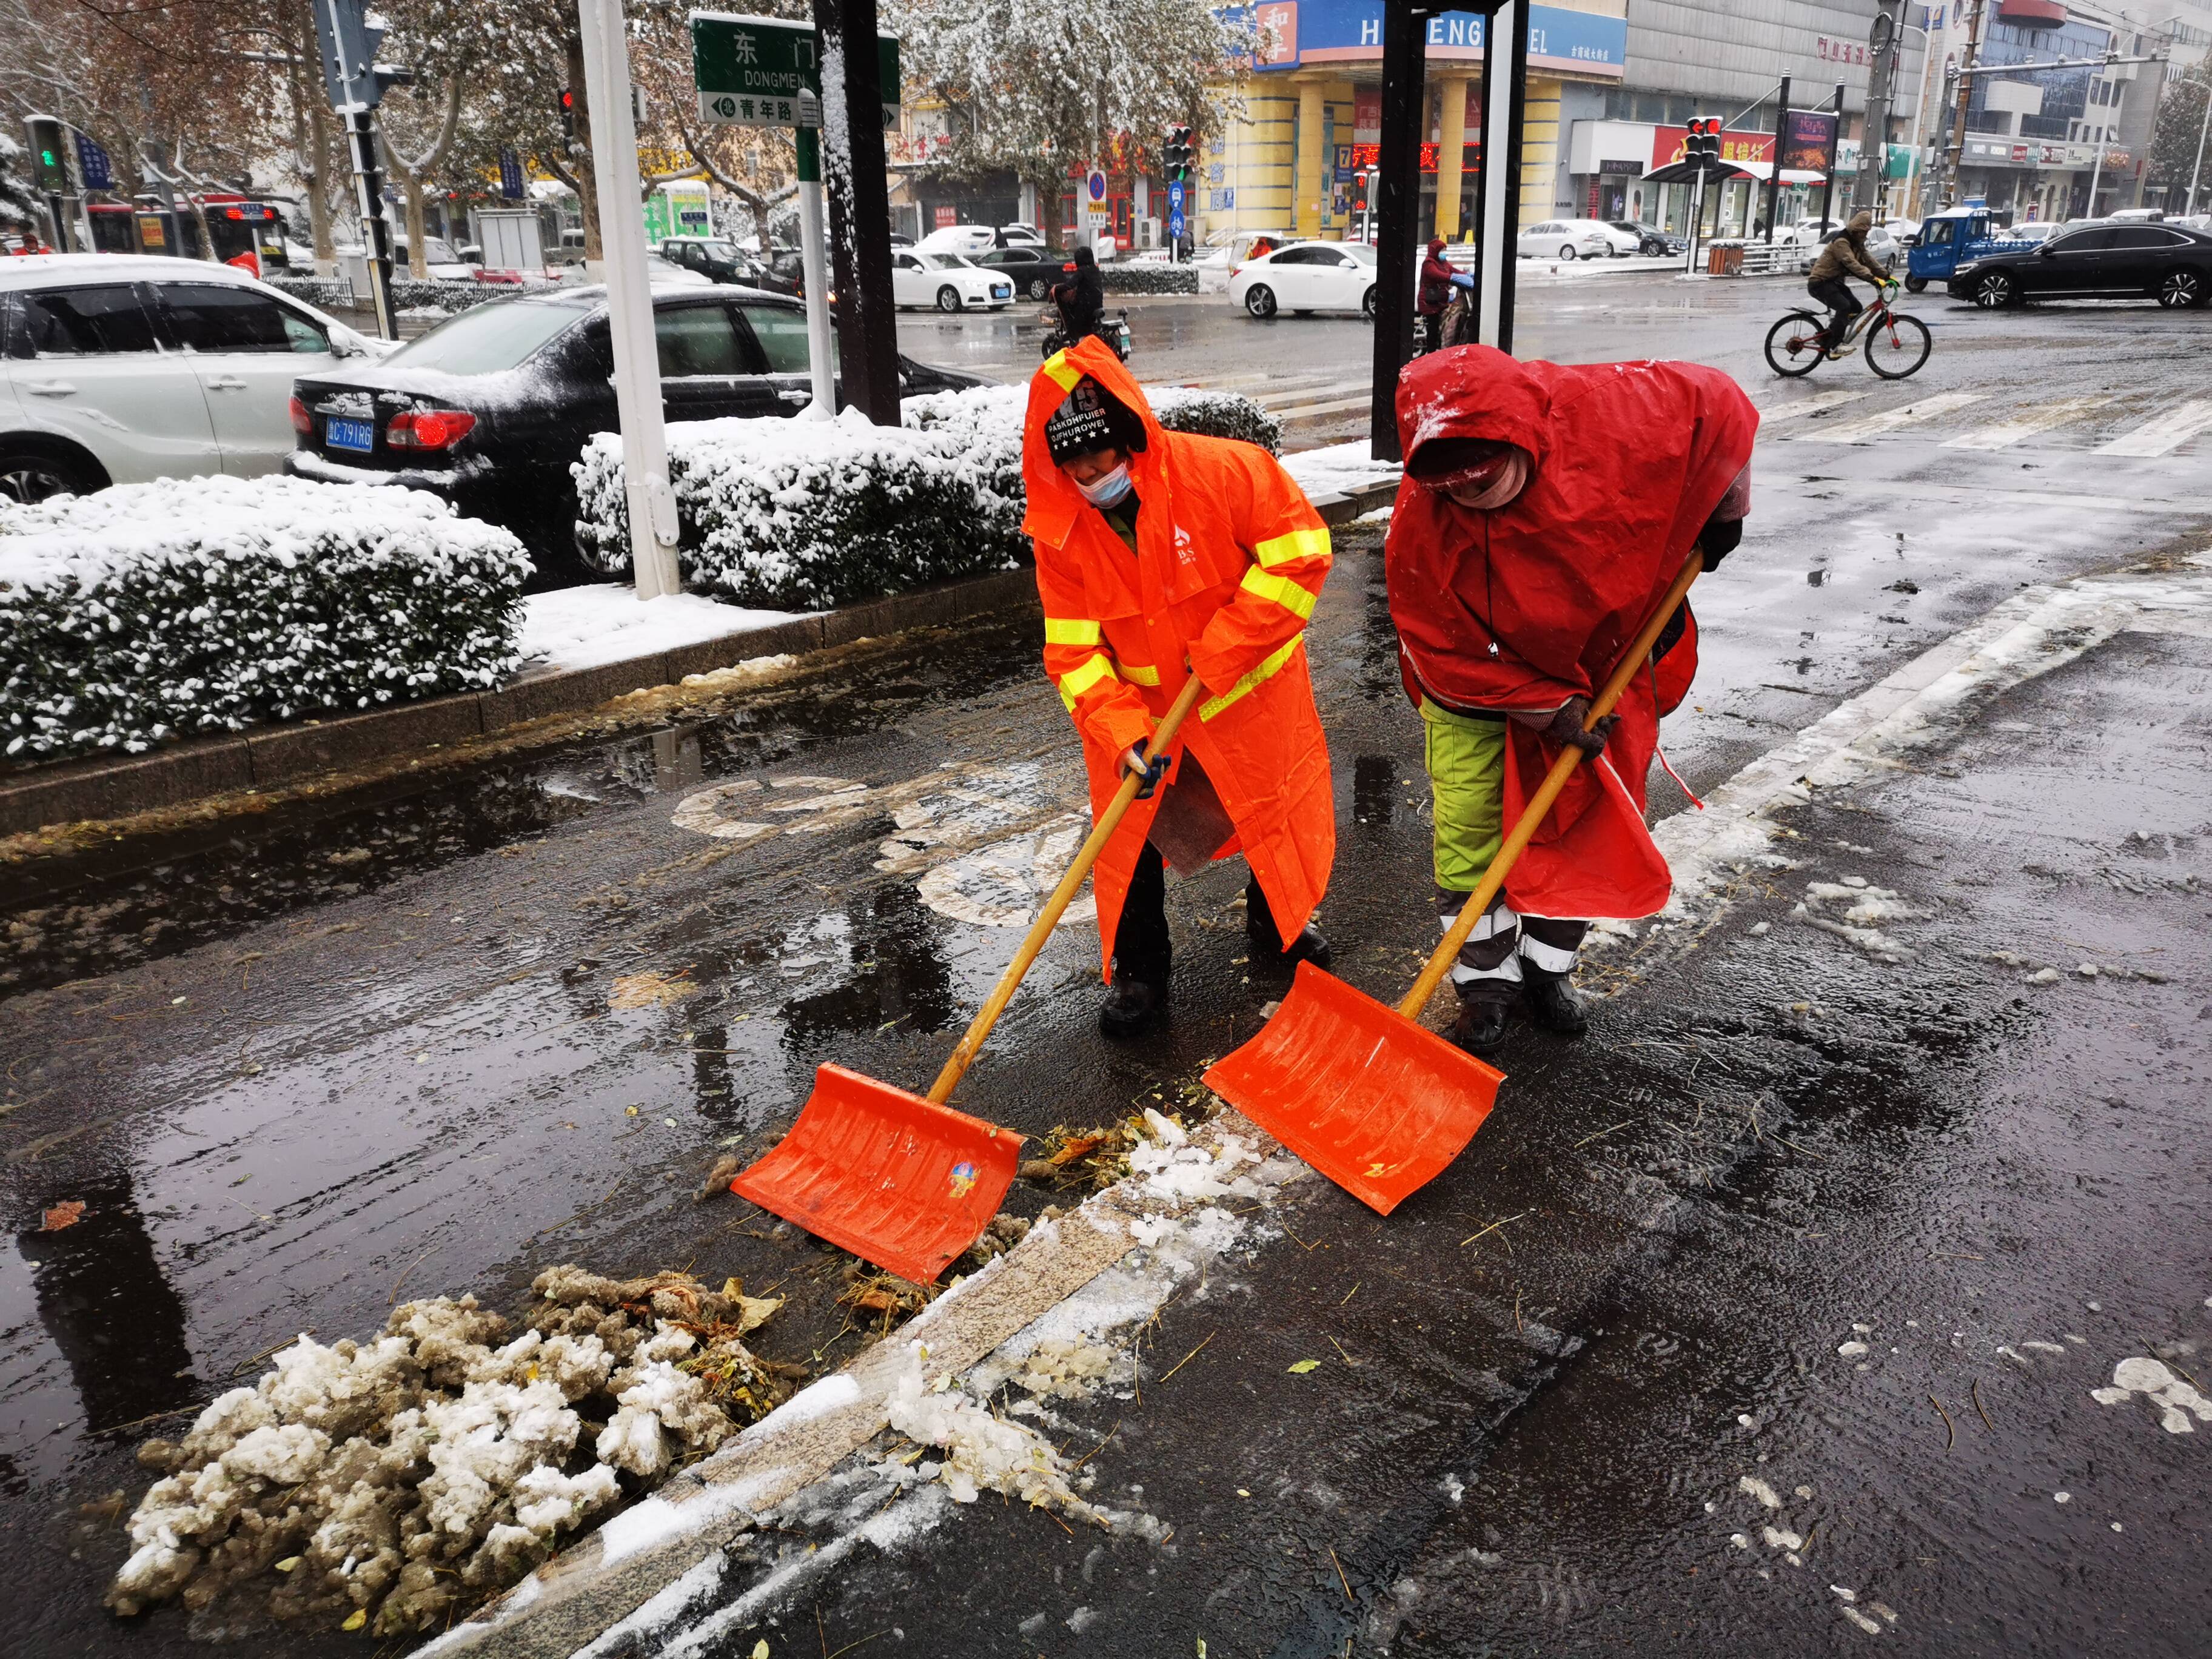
x=1466, y=759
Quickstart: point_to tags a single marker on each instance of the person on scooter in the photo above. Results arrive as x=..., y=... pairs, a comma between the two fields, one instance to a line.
x=1432, y=296
x=1845, y=257
x=1080, y=298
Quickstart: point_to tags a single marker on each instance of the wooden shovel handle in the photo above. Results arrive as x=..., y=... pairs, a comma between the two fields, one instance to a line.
x=1478, y=901
x=1062, y=896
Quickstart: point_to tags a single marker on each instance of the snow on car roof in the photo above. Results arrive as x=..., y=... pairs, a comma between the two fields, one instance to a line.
x=45, y=270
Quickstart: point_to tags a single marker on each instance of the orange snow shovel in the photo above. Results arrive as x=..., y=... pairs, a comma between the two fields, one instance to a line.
x=903, y=1180
x=1375, y=1101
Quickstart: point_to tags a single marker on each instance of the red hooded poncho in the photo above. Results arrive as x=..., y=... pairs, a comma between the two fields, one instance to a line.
x=1630, y=460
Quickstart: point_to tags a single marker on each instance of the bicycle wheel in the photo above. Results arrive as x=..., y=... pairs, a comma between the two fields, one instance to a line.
x=1896, y=346
x=1793, y=345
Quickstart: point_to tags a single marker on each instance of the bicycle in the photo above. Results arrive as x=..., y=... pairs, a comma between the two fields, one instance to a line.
x=1895, y=345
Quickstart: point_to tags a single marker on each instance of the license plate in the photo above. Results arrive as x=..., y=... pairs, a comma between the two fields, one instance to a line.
x=359, y=436
x=1001, y=291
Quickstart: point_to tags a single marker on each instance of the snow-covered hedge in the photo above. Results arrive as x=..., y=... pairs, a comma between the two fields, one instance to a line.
x=1149, y=278
x=192, y=605
x=335, y=293
x=803, y=514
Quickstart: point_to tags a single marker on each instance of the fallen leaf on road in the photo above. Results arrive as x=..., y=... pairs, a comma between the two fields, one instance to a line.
x=647, y=990
x=355, y=1619
x=760, y=1649
x=1074, y=1147
x=1304, y=1366
x=719, y=1178
x=67, y=1213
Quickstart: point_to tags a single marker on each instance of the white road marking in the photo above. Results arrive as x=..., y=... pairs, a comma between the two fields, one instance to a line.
x=1310, y=411
x=1888, y=420
x=1812, y=405
x=2006, y=433
x=2164, y=435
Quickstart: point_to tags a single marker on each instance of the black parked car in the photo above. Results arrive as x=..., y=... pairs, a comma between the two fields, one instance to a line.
x=2168, y=263
x=490, y=408
x=1032, y=269
x=1650, y=238
x=712, y=257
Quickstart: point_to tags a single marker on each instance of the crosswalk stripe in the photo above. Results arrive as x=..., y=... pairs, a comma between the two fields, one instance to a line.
x=1307, y=393
x=1812, y=405
x=1310, y=411
x=2164, y=434
x=2005, y=433
x=1888, y=420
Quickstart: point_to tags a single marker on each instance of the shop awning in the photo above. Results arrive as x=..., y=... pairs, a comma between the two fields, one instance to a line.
x=1681, y=172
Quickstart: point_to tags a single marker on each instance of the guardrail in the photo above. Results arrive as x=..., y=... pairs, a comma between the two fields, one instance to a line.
x=1761, y=258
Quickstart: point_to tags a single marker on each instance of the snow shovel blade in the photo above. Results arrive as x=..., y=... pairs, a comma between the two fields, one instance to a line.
x=897, y=1180
x=1378, y=1104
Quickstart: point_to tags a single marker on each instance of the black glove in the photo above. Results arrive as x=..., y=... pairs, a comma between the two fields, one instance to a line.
x=1566, y=726
x=1151, y=774
x=1719, y=538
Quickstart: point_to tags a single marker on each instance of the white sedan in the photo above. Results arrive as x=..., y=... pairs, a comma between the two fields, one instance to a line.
x=119, y=369
x=1307, y=276
x=946, y=280
x=1573, y=239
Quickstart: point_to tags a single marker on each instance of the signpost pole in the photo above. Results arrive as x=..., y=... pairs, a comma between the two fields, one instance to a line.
x=853, y=168
x=652, y=523
x=1835, y=142
x=820, y=359
x=1397, y=209
x=1504, y=112
x=1774, y=162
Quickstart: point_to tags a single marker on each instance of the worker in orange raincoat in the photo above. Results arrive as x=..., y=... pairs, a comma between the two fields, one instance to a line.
x=1545, y=511
x=1161, y=554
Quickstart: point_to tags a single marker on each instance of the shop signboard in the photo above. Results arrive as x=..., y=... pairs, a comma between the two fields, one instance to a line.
x=1295, y=32
x=1810, y=139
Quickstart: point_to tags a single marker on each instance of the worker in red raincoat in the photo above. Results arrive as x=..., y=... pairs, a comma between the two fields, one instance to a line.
x=1544, y=512
x=1161, y=554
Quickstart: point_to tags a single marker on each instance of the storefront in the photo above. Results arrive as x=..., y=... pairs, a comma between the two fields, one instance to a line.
x=1297, y=162
x=2035, y=181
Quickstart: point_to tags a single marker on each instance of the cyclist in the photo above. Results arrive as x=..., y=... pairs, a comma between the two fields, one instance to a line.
x=1846, y=256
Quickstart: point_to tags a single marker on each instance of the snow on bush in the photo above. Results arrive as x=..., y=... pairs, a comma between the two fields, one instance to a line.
x=1149, y=277
x=806, y=514
x=409, y=296
x=189, y=605
x=385, y=1483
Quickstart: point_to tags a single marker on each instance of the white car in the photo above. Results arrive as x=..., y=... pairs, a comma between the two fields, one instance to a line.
x=920, y=277
x=1307, y=276
x=1021, y=236
x=116, y=369
x=1571, y=239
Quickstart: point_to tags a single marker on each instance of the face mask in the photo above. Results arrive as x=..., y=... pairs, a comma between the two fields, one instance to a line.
x=1108, y=489
x=1499, y=491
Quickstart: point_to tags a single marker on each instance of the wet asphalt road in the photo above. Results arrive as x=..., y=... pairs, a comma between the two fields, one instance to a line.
x=302, y=1064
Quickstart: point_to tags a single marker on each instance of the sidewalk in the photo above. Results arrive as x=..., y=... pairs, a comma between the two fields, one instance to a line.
x=1818, y=1256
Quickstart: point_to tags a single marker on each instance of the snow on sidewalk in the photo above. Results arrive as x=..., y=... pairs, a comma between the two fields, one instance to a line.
x=1340, y=467
x=587, y=627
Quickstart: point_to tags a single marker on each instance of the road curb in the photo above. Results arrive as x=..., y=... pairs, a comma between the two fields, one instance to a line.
x=70, y=792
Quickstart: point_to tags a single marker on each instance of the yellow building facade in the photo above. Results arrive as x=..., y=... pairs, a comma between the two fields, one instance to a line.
x=1297, y=163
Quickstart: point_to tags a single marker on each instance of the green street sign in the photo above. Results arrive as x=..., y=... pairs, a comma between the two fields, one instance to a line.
x=767, y=71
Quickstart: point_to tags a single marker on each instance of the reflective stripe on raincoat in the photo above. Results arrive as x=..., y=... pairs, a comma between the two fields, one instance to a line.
x=1229, y=561
x=1521, y=608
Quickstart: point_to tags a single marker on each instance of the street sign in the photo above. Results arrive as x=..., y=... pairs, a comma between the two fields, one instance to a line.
x=1175, y=223
x=93, y=165
x=767, y=71
x=1094, y=194
x=511, y=188
x=1175, y=196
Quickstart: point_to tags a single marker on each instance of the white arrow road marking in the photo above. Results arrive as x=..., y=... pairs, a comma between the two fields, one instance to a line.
x=1888, y=420
x=2164, y=435
x=2006, y=433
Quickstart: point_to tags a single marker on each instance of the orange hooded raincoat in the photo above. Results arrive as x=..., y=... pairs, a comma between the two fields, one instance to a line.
x=1229, y=561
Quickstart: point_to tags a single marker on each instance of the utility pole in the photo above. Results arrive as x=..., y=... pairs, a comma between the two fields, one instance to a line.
x=1774, y=168
x=1887, y=41
x=1954, y=155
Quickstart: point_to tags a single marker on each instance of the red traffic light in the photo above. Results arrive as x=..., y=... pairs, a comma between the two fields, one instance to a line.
x=568, y=99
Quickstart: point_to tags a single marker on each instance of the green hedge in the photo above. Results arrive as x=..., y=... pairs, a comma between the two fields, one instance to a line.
x=1149, y=279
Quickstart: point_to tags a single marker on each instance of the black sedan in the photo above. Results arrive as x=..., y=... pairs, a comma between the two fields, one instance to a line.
x=1651, y=240
x=489, y=408
x=2167, y=263
x=1032, y=269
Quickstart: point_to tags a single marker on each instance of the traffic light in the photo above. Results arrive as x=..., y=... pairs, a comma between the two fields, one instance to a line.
x=1703, y=145
x=1178, y=154
x=50, y=154
x=569, y=114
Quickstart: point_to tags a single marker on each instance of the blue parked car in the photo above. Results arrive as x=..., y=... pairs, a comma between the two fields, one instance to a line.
x=1948, y=238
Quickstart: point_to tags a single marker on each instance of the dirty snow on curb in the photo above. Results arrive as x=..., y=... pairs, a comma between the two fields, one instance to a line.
x=950, y=1441
x=599, y=623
